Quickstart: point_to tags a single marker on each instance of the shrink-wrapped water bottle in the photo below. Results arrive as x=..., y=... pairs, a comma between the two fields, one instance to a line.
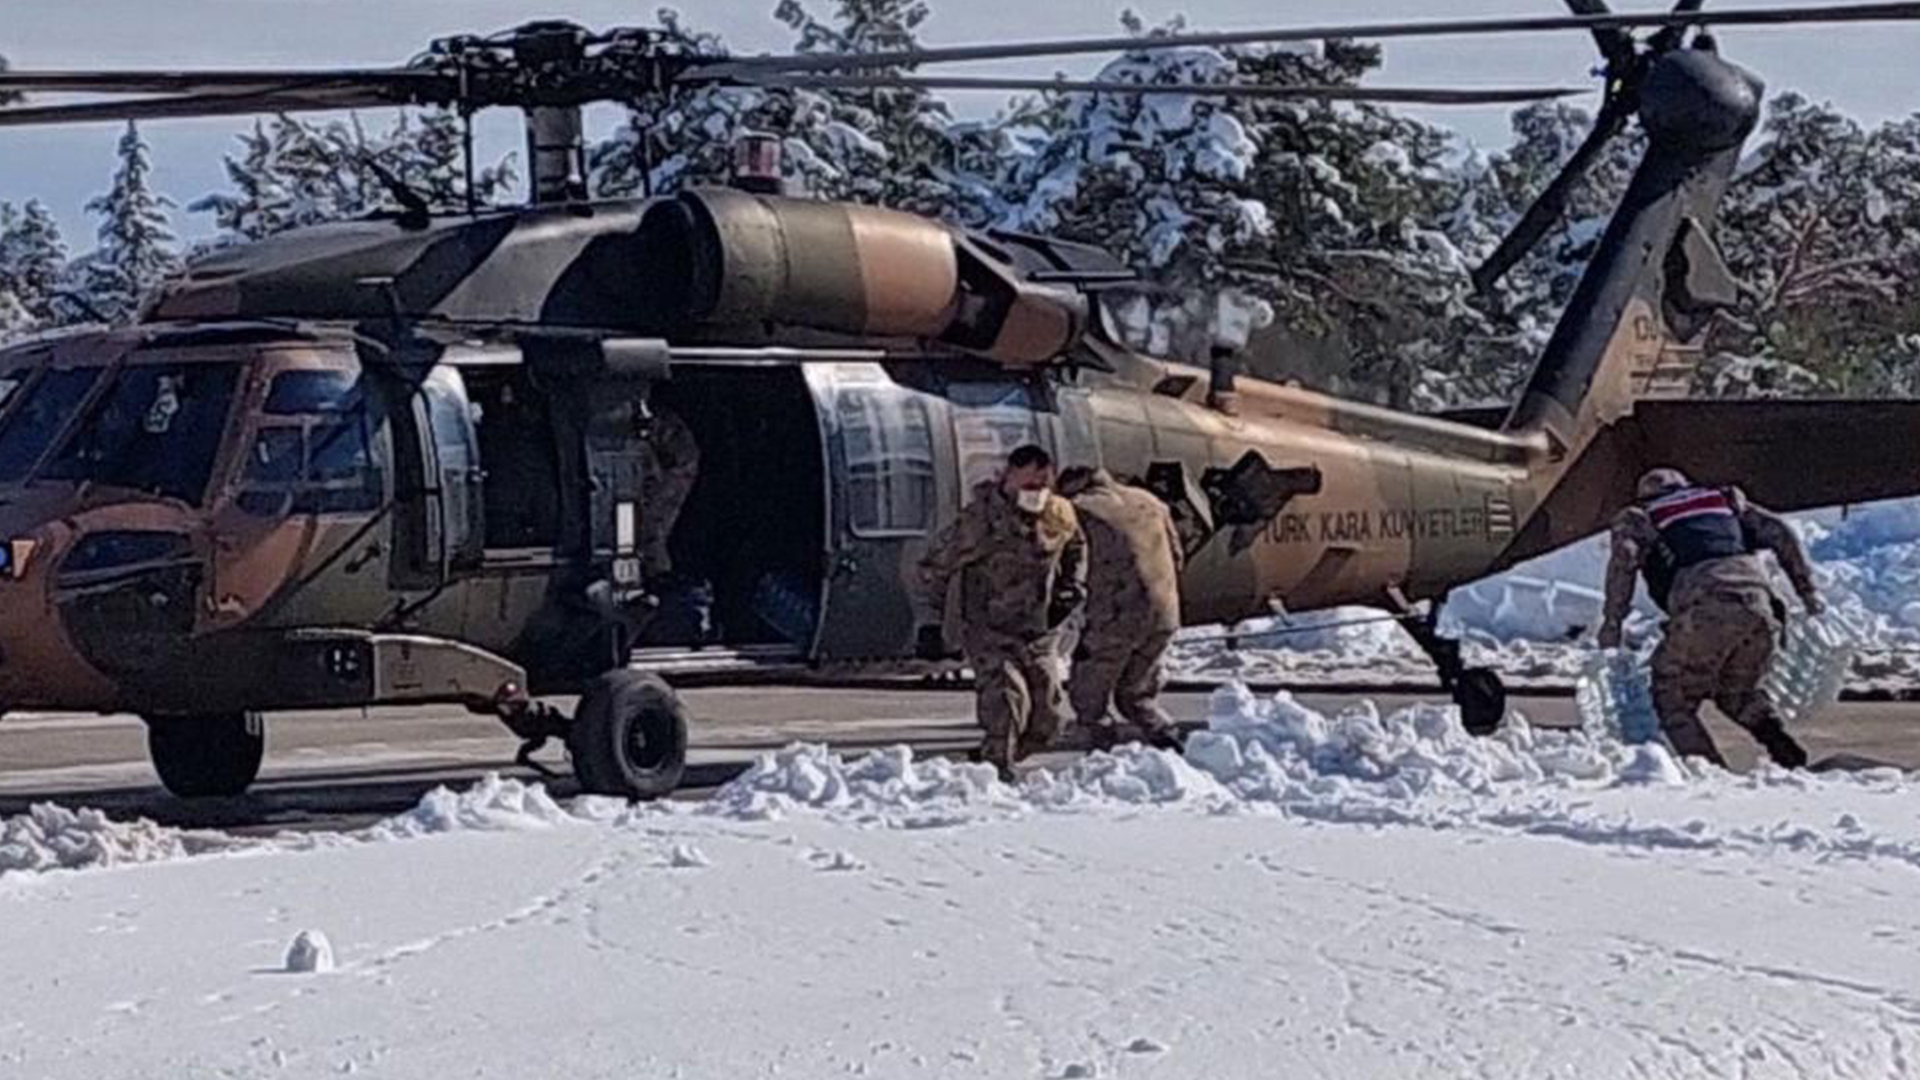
x=1614, y=695
x=1811, y=666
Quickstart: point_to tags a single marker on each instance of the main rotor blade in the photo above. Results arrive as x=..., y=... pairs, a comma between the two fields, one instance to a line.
x=1406, y=95
x=1551, y=204
x=399, y=80
x=1838, y=13
x=1669, y=38
x=192, y=105
x=1616, y=45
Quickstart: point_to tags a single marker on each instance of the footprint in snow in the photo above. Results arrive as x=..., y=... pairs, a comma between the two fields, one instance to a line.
x=1144, y=1045
x=836, y=861
x=688, y=857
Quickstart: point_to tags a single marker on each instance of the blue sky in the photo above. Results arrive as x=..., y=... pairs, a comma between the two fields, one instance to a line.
x=1866, y=70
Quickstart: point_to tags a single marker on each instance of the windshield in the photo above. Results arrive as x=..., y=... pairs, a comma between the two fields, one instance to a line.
x=33, y=414
x=155, y=429
x=313, y=453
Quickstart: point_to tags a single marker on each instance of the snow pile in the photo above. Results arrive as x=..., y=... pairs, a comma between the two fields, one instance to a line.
x=1277, y=750
x=494, y=804
x=50, y=837
x=1132, y=775
x=887, y=786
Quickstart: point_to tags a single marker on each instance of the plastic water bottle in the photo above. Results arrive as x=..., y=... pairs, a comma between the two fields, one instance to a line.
x=1614, y=695
x=1811, y=666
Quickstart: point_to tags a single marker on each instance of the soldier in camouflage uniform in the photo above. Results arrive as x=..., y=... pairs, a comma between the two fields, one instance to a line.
x=1699, y=551
x=672, y=465
x=1134, y=560
x=1021, y=560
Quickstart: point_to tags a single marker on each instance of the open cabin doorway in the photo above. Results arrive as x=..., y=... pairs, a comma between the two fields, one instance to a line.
x=753, y=531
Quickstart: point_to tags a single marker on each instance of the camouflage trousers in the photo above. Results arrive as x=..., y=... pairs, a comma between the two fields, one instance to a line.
x=1020, y=696
x=1717, y=649
x=661, y=498
x=1121, y=668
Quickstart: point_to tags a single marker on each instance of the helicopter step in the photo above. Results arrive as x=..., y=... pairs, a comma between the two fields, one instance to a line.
x=1478, y=691
x=758, y=659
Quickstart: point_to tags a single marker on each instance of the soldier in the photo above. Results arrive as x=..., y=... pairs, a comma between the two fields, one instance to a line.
x=672, y=465
x=1134, y=559
x=1698, y=549
x=1021, y=559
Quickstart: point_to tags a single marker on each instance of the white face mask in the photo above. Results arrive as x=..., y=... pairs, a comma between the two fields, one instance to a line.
x=1032, y=500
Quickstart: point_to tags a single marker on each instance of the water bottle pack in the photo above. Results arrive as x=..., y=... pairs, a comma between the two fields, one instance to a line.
x=1811, y=666
x=1614, y=695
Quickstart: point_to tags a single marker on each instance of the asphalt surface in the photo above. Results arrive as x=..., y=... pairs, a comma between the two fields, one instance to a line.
x=332, y=770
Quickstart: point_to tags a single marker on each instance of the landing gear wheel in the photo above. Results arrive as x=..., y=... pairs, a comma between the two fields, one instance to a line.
x=1482, y=699
x=629, y=737
x=208, y=756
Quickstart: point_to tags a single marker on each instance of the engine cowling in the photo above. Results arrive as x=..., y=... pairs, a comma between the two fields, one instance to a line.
x=723, y=257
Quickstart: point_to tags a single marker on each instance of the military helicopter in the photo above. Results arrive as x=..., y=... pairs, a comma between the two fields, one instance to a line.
x=403, y=460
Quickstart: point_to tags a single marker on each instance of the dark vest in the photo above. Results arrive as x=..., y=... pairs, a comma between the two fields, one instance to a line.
x=1696, y=525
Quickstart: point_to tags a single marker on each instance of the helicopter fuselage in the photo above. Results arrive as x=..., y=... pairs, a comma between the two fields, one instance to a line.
x=251, y=516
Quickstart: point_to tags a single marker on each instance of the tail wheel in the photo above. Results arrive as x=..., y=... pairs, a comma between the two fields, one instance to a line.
x=214, y=755
x=629, y=737
x=1482, y=699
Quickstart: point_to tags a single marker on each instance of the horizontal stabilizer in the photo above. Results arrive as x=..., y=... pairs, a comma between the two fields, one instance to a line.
x=1788, y=455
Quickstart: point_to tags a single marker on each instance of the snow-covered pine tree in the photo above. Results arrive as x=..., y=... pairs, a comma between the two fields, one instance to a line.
x=32, y=260
x=1822, y=228
x=891, y=147
x=1323, y=218
x=924, y=161
x=137, y=244
x=292, y=173
x=685, y=138
x=1164, y=181
x=1506, y=332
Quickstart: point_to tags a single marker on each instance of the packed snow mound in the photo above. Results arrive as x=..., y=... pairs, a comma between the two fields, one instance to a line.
x=50, y=837
x=886, y=786
x=1129, y=775
x=494, y=804
x=310, y=954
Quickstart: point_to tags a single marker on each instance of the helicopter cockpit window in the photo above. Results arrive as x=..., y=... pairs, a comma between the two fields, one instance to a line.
x=313, y=453
x=155, y=429
x=37, y=415
x=298, y=392
x=888, y=441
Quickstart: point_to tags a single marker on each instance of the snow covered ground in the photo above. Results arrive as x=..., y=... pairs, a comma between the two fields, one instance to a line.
x=1351, y=896
x=1535, y=623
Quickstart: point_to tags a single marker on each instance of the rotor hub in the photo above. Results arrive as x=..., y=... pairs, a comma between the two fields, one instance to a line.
x=1693, y=98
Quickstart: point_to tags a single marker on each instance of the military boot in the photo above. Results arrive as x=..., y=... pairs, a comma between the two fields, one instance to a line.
x=1692, y=740
x=1785, y=751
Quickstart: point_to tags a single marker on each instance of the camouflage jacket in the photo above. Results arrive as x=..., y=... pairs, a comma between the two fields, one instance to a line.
x=1634, y=539
x=1012, y=566
x=1134, y=557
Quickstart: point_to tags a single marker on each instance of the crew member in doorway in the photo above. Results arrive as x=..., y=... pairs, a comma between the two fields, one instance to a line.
x=1134, y=560
x=1021, y=560
x=1698, y=548
x=672, y=465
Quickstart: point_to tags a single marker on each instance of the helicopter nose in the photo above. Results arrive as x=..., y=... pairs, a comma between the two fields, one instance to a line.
x=39, y=666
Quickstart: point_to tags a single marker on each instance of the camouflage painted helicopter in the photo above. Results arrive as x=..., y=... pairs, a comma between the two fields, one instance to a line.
x=400, y=460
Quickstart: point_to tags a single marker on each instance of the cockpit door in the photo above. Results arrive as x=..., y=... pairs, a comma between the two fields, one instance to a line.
x=437, y=522
x=882, y=495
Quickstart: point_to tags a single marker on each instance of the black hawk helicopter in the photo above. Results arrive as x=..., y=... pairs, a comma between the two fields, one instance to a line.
x=406, y=460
